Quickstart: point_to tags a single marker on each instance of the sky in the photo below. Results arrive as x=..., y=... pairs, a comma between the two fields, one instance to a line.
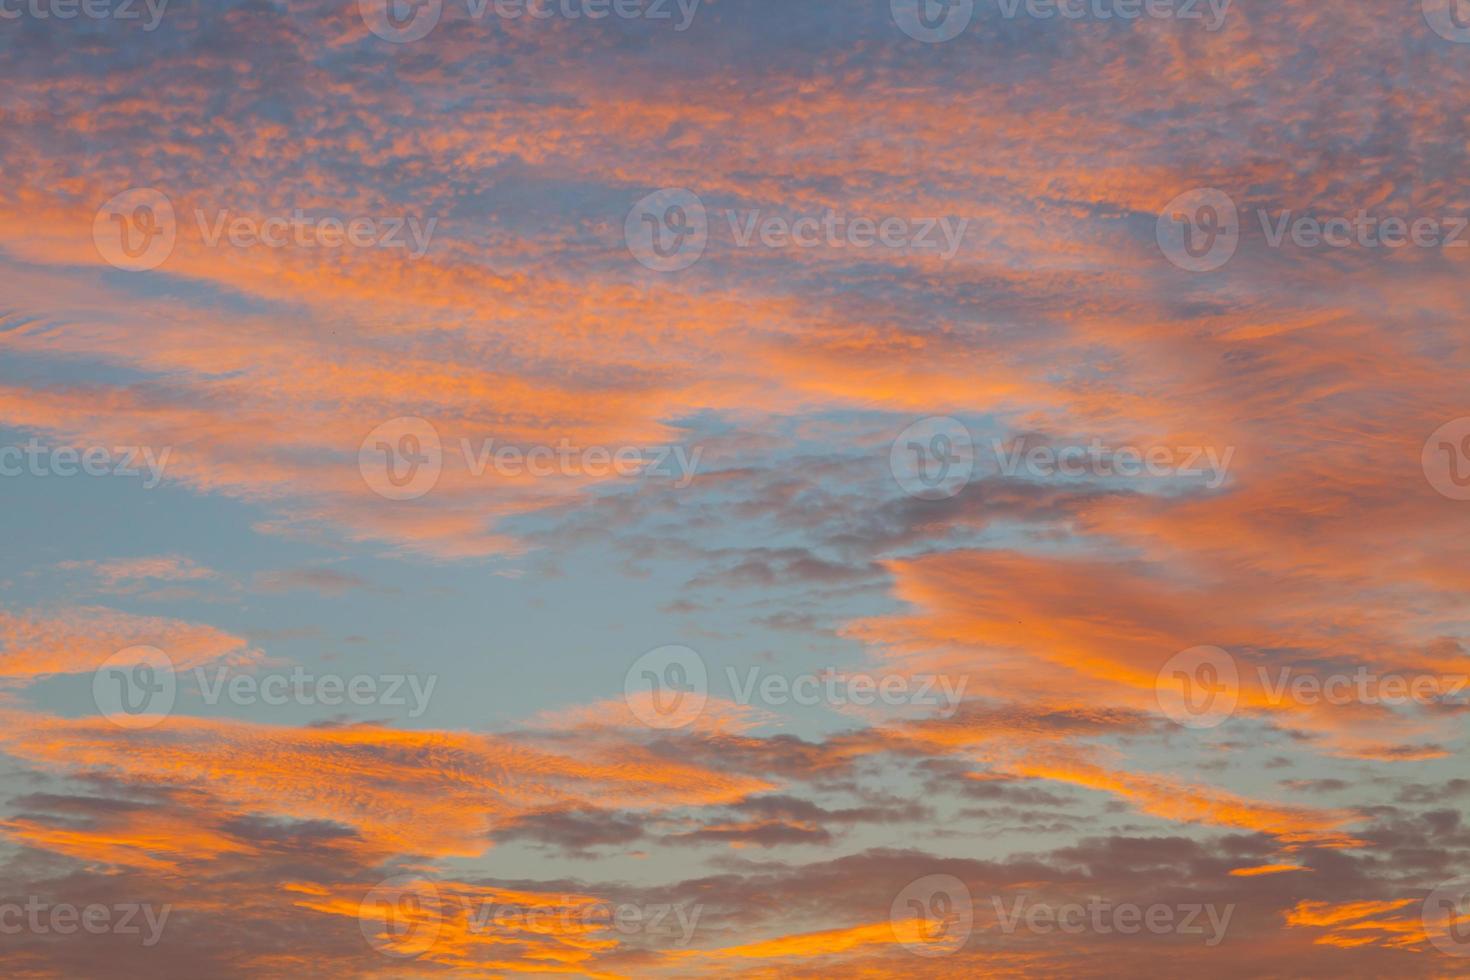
x=656, y=488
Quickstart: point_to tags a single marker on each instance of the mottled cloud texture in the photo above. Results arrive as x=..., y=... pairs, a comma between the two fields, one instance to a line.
x=596, y=488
